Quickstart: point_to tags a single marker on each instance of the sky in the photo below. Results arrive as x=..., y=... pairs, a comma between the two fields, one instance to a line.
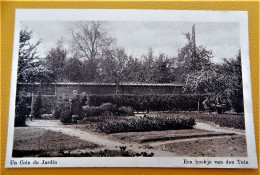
x=137, y=37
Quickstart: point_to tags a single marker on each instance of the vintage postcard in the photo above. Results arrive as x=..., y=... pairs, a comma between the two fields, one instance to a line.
x=130, y=88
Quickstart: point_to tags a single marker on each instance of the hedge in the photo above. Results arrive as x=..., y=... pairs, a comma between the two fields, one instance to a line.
x=147, y=123
x=177, y=102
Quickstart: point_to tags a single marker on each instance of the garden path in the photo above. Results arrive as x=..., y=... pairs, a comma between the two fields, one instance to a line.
x=212, y=127
x=207, y=127
x=57, y=126
x=102, y=140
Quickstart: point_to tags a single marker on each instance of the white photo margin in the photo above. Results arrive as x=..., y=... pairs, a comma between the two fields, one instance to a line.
x=136, y=15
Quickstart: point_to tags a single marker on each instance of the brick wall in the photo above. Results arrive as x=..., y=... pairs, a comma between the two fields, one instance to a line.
x=92, y=88
x=51, y=91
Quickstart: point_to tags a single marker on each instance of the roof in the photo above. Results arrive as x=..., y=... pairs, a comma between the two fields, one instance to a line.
x=106, y=84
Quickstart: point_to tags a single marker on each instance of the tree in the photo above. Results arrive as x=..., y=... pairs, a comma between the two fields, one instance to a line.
x=55, y=61
x=134, y=70
x=113, y=66
x=233, y=78
x=161, y=71
x=31, y=67
x=73, y=70
x=224, y=81
x=191, y=58
x=89, y=42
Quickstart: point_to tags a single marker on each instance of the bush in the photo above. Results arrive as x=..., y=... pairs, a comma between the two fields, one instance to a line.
x=91, y=111
x=66, y=117
x=147, y=123
x=106, y=109
x=62, y=110
x=37, y=106
x=58, y=109
x=20, y=112
x=126, y=110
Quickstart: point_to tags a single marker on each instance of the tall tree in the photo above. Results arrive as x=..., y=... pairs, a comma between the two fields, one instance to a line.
x=162, y=72
x=55, y=61
x=88, y=43
x=90, y=40
x=233, y=78
x=73, y=70
x=191, y=58
x=31, y=67
x=113, y=66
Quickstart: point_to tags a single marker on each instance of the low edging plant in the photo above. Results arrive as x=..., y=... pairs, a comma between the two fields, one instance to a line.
x=147, y=123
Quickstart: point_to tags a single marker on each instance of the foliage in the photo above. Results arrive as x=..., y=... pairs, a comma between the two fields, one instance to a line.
x=176, y=102
x=113, y=66
x=147, y=123
x=31, y=68
x=21, y=111
x=62, y=110
x=106, y=109
x=55, y=61
x=233, y=76
x=191, y=58
x=224, y=81
x=223, y=120
x=73, y=70
x=37, y=106
x=206, y=81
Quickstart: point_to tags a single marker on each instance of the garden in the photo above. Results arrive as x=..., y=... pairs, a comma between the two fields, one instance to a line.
x=126, y=127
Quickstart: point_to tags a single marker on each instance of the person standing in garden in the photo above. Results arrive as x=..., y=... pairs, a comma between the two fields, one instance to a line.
x=206, y=105
x=84, y=99
x=75, y=106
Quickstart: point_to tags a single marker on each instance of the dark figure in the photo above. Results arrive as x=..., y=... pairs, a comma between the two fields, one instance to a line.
x=84, y=99
x=219, y=106
x=75, y=106
x=207, y=105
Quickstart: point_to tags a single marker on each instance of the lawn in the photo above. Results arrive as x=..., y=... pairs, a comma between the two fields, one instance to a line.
x=214, y=147
x=30, y=141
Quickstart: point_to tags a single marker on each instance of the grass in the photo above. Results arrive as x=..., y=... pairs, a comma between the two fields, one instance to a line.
x=236, y=121
x=30, y=141
x=214, y=147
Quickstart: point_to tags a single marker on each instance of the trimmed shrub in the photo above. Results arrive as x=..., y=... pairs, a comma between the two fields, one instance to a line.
x=58, y=109
x=106, y=109
x=91, y=111
x=147, y=123
x=20, y=112
x=66, y=117
x=126, y=111
x=37, y=106
x=63, y=110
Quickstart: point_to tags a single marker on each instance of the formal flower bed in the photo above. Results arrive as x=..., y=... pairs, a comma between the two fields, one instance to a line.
x=147, y=123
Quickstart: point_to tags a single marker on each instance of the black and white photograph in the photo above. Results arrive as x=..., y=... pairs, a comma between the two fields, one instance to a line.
x=130, y=88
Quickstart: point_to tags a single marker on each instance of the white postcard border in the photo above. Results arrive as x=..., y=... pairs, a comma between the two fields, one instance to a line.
x=136, y=15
